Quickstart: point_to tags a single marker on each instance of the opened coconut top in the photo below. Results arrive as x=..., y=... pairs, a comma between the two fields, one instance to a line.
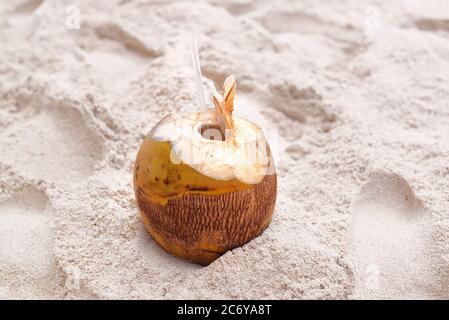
x=237, y=149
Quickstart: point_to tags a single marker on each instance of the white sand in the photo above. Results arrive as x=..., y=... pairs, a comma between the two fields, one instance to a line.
x=358, y=91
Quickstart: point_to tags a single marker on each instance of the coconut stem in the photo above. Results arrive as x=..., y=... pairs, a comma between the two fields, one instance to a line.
x=224, y=104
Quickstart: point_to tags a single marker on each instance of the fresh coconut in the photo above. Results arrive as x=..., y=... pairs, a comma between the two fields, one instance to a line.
x=205, y=183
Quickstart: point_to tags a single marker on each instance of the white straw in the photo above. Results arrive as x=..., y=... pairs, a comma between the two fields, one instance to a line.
x=197, y=70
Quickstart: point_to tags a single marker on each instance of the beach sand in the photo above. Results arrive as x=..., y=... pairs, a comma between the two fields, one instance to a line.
x=355, y=93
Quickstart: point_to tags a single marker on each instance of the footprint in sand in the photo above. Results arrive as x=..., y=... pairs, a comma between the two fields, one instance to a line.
x=29, y=6
x=236, y=7
x=388, y=241
x=324, y=42
x=52, y=143
x=27, y=266
x=22, y=19
x=119, y=56
x=434, y=25
x=302, y=23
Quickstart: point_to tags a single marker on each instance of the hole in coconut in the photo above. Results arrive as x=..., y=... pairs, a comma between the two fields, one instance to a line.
x=211, y=131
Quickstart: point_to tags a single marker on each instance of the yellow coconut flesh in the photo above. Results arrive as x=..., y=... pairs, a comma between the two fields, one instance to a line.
x=200, y=197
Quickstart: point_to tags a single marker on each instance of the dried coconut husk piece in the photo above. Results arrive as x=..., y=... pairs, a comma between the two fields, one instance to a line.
x=224, y=104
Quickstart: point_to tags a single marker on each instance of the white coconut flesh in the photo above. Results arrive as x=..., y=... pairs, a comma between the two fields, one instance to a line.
x=242, y=154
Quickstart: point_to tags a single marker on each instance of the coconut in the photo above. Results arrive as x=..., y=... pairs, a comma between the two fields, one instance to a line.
x=205, y=182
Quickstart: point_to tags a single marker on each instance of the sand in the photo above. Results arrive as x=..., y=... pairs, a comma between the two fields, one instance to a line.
x=356, y=90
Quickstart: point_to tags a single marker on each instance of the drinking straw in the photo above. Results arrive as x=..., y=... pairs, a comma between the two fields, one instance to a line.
x=197, y=71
